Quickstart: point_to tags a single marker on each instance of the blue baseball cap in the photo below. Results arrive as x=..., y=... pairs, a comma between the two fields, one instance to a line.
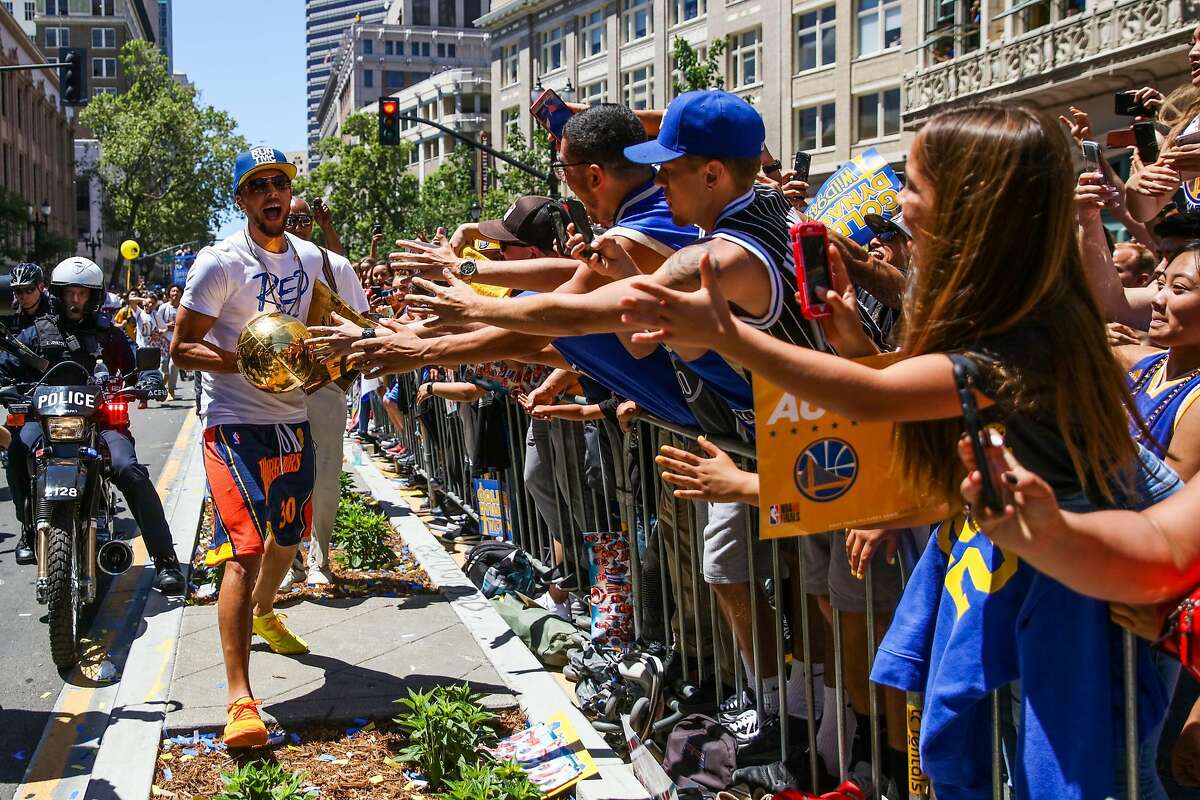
x=710, y=123
x=257, y=159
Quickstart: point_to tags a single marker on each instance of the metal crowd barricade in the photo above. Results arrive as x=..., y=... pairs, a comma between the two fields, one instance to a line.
x=670, y=598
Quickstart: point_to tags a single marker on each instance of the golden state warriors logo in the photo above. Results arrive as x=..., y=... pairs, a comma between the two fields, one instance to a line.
x=826, y=470
x=1191, y=193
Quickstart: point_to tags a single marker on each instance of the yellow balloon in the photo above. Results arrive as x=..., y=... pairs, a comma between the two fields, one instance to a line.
x=130, y=249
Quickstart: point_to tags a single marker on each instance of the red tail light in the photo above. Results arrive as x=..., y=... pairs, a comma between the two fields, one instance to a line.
x=116, y=413
x=15, y=420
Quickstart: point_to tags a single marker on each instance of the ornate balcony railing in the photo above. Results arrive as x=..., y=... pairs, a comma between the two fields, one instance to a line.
x=1109, y=33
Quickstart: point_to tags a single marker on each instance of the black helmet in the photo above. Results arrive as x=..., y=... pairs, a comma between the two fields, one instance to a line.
x=26, y=274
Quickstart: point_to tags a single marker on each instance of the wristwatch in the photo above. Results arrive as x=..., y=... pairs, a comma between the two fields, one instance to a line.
x=467, y=271
x=774, y=166
x=367, y=333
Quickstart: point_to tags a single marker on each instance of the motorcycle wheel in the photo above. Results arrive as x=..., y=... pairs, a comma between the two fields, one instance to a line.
x=62, y=599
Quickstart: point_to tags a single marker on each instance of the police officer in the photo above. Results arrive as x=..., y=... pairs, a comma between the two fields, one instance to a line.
x=75, y=331
x=29, y=296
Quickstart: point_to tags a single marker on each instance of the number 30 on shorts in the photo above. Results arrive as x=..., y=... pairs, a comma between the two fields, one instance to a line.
x=287, y=511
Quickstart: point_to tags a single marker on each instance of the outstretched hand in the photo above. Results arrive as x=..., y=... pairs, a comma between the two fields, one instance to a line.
x=715, y=478
x=452, y=303
x=334, y=340
x=1030, y=508
x=700, y=318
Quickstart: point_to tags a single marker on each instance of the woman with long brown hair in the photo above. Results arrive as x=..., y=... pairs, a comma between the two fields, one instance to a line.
x=998, y=278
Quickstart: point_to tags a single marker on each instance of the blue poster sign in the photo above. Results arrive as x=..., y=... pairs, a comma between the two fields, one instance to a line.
x=866, y=184
x=491, y=502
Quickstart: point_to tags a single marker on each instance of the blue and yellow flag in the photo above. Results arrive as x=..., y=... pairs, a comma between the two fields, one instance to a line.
x=866, y=184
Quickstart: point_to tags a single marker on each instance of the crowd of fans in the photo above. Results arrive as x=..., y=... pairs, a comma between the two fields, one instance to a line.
x=1002, y=261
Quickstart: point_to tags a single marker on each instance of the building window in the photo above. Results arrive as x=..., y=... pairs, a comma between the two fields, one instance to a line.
x=591, y=34
x=433, y=148
x=414, y=155
x=637, y=19
x=424, y=49
x=446, y=16
x=399, y=48
x=54, y=8
x=8, y=6
x=594, y=92
x=393, y=79
x=30, y=10
x=421, y=12
x=816, y=39
x=369, y=78
x=552, y=50
x=815, y=127
x=452, y=50
x=99, y=90
x=441, y=49
x=104, y=68
x=744, y=55
x=368, y=47
x=879, y=114
x=58, y=37
x=103, y=8
x=103, y=38
x=389, y=48
x=878, y=25
x=684, y=10
x=510, y=60
x=508, y=121
x=637, y=87
x=472, y=10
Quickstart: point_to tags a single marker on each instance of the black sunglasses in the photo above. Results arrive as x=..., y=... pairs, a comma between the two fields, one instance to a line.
x=259, y=185
x=299, y=220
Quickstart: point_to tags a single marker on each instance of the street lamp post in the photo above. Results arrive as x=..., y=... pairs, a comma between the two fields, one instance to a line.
x=475, y=210
x=39, y=218
x=93, y=243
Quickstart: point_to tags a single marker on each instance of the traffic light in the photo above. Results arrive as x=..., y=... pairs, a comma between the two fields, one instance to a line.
x=389, y=121
x=72, y=76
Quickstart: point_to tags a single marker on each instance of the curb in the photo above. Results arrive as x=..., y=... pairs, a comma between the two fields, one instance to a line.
x=539, y=694
x=124, y=766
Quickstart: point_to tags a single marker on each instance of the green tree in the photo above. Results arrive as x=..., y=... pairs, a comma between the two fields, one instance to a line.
x=512, y=183
x=696, y=73
x=446, y=194
x=166, y=161
x=365, y=183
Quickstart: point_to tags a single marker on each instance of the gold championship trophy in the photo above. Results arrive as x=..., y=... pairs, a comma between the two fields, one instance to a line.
x=273, y=352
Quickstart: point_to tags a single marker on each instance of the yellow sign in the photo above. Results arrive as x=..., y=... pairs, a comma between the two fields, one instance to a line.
x=484, y=289
x=820, y=471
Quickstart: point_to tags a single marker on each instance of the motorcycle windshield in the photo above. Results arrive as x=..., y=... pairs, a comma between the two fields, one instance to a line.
x=66, y=401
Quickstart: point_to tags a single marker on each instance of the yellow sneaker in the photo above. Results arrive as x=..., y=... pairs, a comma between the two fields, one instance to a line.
x=244, y=727
x=270, y=627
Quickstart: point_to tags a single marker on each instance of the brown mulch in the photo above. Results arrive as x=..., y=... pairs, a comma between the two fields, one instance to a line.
x=405, y=577
x=353, y=768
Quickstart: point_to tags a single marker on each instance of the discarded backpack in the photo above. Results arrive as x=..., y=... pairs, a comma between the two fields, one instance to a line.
x=497, y=568
x=701, y=752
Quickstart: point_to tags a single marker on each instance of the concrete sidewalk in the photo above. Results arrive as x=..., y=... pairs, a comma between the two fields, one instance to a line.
x=365, y=654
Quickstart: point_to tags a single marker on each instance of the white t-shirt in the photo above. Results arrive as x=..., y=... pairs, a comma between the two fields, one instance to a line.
x=147, y=326
x=233, y=283
x=165, y=315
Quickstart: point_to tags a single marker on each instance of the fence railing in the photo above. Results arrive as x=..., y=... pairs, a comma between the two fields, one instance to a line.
x=564, y=478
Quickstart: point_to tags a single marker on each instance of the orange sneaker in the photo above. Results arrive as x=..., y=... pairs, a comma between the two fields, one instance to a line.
x=244, y=727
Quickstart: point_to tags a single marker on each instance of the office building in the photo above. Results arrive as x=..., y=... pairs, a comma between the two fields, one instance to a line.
x=835, y=77
x=325, y=23
x=36, y=159
x=165, y=33
x=103, y=27
x=300, y=159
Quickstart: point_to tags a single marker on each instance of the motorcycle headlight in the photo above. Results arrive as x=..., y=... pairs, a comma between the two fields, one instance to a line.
x=65, y=429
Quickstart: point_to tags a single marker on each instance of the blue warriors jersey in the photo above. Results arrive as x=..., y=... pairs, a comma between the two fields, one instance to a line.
x=1161, y=402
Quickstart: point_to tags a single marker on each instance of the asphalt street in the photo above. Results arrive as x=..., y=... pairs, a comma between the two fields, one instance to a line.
x=30, y=684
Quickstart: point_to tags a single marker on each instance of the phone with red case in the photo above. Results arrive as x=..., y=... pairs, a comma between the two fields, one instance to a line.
x=810, y=248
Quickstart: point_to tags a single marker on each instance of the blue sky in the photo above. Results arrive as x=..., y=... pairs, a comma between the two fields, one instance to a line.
x=247, y=57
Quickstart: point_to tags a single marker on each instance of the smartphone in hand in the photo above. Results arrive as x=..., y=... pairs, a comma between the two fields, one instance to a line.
x=551, y=112
x=965, y=378
x=1146, y=140
x=1126, y=105
x=810, y=249
x=376, y=229
x=801, y=165
x=1091, y=158
x=583, y=224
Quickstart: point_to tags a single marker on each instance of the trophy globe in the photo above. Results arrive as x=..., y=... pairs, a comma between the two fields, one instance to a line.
x=272, y=353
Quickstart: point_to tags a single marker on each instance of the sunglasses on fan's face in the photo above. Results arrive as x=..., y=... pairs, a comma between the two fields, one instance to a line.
x=259, y=185
x=299, y=220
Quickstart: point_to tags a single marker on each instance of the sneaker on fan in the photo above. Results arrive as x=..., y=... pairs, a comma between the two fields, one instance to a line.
x=562, y=610
x=734, y=706
x=318, y=577
x=743, y=726
x=294, y=574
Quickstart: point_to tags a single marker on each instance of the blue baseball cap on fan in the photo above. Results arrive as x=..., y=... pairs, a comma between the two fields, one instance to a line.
x=709, y=123
x=256, y=159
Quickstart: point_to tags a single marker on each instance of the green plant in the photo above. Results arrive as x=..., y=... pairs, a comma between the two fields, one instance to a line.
x=262, y=780
x=360, y=534
x=696, y=73
x=445, y=726
x=493, y=780
x=346, y=485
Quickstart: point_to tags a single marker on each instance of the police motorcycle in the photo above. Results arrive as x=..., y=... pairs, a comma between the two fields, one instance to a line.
x=71, y=497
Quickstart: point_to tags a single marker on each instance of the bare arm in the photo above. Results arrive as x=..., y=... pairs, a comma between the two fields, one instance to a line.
x=1092, y=194
x=572, y=411
x=458, y=391
x=189, y=349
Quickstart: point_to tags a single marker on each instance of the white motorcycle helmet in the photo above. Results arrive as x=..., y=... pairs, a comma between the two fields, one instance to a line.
x=77, y=271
